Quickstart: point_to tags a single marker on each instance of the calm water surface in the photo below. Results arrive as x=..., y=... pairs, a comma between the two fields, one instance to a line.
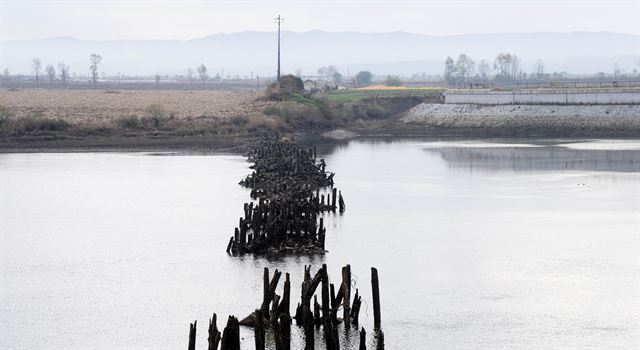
x=479, y=246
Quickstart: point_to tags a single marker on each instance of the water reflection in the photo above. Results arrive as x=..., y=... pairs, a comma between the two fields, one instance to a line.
x=538, y=158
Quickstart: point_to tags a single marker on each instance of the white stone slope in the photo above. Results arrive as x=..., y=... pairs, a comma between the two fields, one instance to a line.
x=595, y=117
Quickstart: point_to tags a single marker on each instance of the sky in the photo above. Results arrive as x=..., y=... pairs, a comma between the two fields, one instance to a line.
x=140, y=19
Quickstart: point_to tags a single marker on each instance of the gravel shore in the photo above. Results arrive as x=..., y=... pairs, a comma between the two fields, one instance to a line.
x=551, y=120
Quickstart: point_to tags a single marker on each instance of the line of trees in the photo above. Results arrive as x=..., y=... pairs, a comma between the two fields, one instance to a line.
x=62, y=73
x=506, y=67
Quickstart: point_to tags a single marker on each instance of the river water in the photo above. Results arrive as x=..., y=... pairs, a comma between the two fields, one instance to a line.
x=479, y=245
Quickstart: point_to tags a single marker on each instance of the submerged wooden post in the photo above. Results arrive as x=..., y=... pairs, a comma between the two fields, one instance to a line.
x=214, y=333
x=357, y=301
x=363, y=339
x=346, y=289
x=192, y=335
x=259, y=330
x=231, y=335
x=333, y=199
x=375, y=289
x=380, y=342
x=285, y=326
x=326, y=310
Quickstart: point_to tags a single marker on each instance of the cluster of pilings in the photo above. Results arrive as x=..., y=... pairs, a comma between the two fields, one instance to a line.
x=286, y=184
x=274, y=313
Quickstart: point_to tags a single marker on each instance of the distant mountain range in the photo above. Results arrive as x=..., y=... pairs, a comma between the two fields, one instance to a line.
x=383, y=53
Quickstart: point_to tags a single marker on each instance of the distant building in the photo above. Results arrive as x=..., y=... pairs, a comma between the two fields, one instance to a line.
x=310, y=85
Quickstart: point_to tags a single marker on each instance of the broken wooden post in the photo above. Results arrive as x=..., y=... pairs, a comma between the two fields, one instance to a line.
x=192, y=335
x=346, y=289
x=231, y=335
x=333, y=199
x=375, y=289
x=341, y=202
x=326, y=310
x=285, y=327
x=357, y=301
x=230, y=245
x=269, y=289
x=259, y=330
x=278, y=337
x=363, y=339
x=214, y=333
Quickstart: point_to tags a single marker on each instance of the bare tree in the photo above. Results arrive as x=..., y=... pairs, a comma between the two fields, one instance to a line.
x=202, y=73
x=449, y=70
x=6, y=77
x=616, y=70
x=539, y=73
x=484, y=69
x=465, y=67
x=63, y=72
x=515, y=67
x=94, y=61
x=36, y=65
x=190, y=75
x=327, y=71
x=51, y=73
x=502, y=65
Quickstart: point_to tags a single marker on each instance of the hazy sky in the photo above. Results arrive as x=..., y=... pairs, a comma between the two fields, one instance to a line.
x=110, y=19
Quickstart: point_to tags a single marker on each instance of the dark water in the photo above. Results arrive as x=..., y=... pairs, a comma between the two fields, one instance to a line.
x=478, y=245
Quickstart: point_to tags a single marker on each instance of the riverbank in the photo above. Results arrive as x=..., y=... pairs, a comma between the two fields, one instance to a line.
x=41, y=120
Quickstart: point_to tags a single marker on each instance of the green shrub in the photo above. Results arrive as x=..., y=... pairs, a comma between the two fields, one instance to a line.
x=129, y=122
x=155, y=116
x=375, y=112
x=393, y=80
x=5, y=114
x=271, y=110
x=30, y=124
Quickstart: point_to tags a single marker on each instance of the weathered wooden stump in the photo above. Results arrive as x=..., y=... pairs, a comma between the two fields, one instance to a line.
x=363, y=339
x=375, y=289
x=192, y=335
x=214, y=333
x=231, y=335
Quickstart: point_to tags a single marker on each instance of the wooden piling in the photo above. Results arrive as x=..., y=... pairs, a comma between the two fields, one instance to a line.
x=363, y=339
x=231, y=335
x=259, y=330
x=346, y=288
x=380, y=340
x=214, y=333
x=355, y=311
x=375, y=289
x=192, y=335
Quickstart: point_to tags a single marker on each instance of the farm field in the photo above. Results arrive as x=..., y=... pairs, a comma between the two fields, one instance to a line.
x=350, y=95
x=100, y=106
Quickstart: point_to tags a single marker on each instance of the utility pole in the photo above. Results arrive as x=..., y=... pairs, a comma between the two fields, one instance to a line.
x=279, y=20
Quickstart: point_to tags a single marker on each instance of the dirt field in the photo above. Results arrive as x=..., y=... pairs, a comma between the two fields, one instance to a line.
x=102, y=107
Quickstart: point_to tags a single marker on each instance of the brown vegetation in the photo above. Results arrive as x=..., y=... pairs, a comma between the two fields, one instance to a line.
x=89, y=111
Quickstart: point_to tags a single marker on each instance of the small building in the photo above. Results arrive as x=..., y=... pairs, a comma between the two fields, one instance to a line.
x=310, y=85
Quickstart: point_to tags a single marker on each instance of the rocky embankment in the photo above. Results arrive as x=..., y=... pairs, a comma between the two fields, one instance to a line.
x=526, y=120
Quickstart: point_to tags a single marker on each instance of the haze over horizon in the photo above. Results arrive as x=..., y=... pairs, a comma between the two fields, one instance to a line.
x=182, y=20
x=400, y=37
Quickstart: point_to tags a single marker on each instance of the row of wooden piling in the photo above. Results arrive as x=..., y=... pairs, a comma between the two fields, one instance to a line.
x=274, y=313
x=286, y=184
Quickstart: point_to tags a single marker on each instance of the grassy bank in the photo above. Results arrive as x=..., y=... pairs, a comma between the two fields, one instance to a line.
x=91, y=118
x=352, y=95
